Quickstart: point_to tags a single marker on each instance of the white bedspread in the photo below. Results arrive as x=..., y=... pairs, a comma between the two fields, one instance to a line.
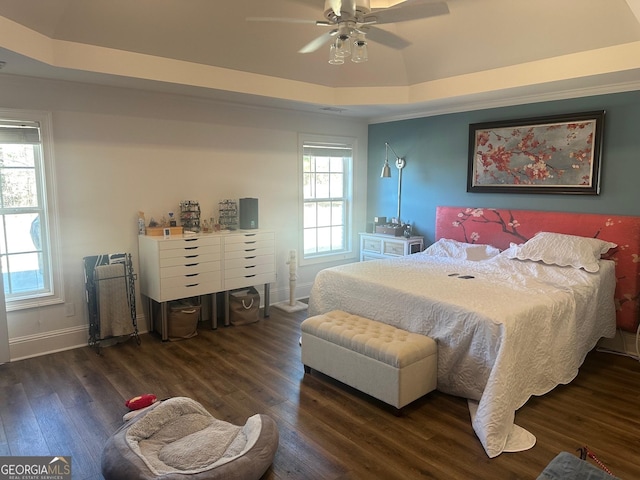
x=515, y=330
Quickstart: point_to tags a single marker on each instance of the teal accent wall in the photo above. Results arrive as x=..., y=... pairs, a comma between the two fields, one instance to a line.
x=436, y=152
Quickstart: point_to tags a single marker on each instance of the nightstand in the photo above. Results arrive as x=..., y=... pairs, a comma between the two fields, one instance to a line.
x=376, y=245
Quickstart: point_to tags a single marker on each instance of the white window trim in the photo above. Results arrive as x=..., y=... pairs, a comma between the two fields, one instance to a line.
x=348, y=253
x=56, y=295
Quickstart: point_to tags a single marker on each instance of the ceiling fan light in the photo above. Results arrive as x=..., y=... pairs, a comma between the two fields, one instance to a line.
x=343, y=46
x=360, y=53
x=333, y=58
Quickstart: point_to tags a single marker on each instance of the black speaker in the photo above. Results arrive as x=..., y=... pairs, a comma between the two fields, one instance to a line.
x=248, y=213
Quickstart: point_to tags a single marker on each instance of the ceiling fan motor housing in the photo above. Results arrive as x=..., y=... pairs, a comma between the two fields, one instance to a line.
x=362, y=8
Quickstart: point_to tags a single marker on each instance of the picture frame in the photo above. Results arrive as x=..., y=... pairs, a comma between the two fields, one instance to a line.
x=166, y=232
x=559, y=154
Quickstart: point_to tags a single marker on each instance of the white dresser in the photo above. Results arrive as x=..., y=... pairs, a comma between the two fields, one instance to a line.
x=377, y=245
x=187, y=266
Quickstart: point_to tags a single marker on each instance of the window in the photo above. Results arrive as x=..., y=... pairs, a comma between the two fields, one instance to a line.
x=26, y=250
x=326, y=187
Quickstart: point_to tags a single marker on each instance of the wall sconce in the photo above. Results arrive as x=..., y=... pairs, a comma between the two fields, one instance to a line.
x=386, y=173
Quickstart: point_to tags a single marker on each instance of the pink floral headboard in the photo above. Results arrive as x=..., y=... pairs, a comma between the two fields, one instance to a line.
x=500, y=227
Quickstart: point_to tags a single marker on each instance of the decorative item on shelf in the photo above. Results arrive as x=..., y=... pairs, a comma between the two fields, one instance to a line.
x=395, y=227
x=248, y=213
x=228, y=215
x=163, y=231
x=155, y=229
x=408, y=230
x=142, y=230
x=292, y=305
x=172, y=220
x=190, y=215
x=390, y=229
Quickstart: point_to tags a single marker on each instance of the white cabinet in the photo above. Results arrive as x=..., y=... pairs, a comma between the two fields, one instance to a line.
x=183, y=267
x=188, y=266
x=376, y=245
x=249, y=259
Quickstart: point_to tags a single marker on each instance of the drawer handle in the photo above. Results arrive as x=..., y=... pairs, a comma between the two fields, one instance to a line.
x=190, y=239
x=249, y=258
x=192, y=264
x=192, y=275
x=249, y=243
x=249, y=234
x=192, y=285
x=250, y=266
x=191, y=256
x=190, y=248
x=249, y=276
x=250, y=250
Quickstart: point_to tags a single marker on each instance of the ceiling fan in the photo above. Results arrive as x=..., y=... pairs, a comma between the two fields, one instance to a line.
x=354, y=21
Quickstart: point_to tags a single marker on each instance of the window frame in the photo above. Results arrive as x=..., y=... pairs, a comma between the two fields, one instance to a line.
x=347, y=252
x=49, y=220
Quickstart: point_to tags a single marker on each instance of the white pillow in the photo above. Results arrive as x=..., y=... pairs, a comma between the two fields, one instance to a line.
x=563, y=250
x=446, y=247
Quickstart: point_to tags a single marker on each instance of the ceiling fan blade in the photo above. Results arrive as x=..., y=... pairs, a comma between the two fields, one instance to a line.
x=284, y=20
x=408, y=10
x=318, y=42
x=385, y=38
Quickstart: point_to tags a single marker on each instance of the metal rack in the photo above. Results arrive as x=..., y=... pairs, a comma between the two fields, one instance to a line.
x=228, y=214
x=190, y=215
x=111, y=297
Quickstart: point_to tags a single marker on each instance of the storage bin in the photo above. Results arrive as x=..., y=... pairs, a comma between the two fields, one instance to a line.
x=182, y=320
x=244, y=306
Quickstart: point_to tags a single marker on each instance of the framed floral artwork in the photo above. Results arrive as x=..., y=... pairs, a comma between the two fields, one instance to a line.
x=554, y=154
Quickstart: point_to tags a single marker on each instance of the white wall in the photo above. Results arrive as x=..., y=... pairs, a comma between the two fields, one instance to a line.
x=118, y=151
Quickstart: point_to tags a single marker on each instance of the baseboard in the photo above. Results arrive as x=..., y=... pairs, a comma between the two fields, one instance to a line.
x=282, y=294
x=29, y=346
x=623, y=343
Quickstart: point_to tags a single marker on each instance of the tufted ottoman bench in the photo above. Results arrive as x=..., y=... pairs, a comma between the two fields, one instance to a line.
x=383, y=361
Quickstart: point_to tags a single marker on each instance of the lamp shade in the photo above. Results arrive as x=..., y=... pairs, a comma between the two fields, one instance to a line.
x=386, y=170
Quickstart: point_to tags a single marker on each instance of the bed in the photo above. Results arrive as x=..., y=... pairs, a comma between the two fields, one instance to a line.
x=507, y=328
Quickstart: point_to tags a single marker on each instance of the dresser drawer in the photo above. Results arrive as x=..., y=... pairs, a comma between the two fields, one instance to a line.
x=249, y=237
x=249, y=280
x=372, y=245
x=209, y=278
x=190, y=259
x=249, y=270
x=189, y=250
x=183, y=270
x=249, y=253
x=393, y=248
x=179, y=243
x=249, y=246
x=249, y=261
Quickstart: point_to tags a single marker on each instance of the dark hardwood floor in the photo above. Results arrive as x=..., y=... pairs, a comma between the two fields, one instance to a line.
x=69, y=403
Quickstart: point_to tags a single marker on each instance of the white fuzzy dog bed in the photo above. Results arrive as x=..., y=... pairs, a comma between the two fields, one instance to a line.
x=179, y=439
